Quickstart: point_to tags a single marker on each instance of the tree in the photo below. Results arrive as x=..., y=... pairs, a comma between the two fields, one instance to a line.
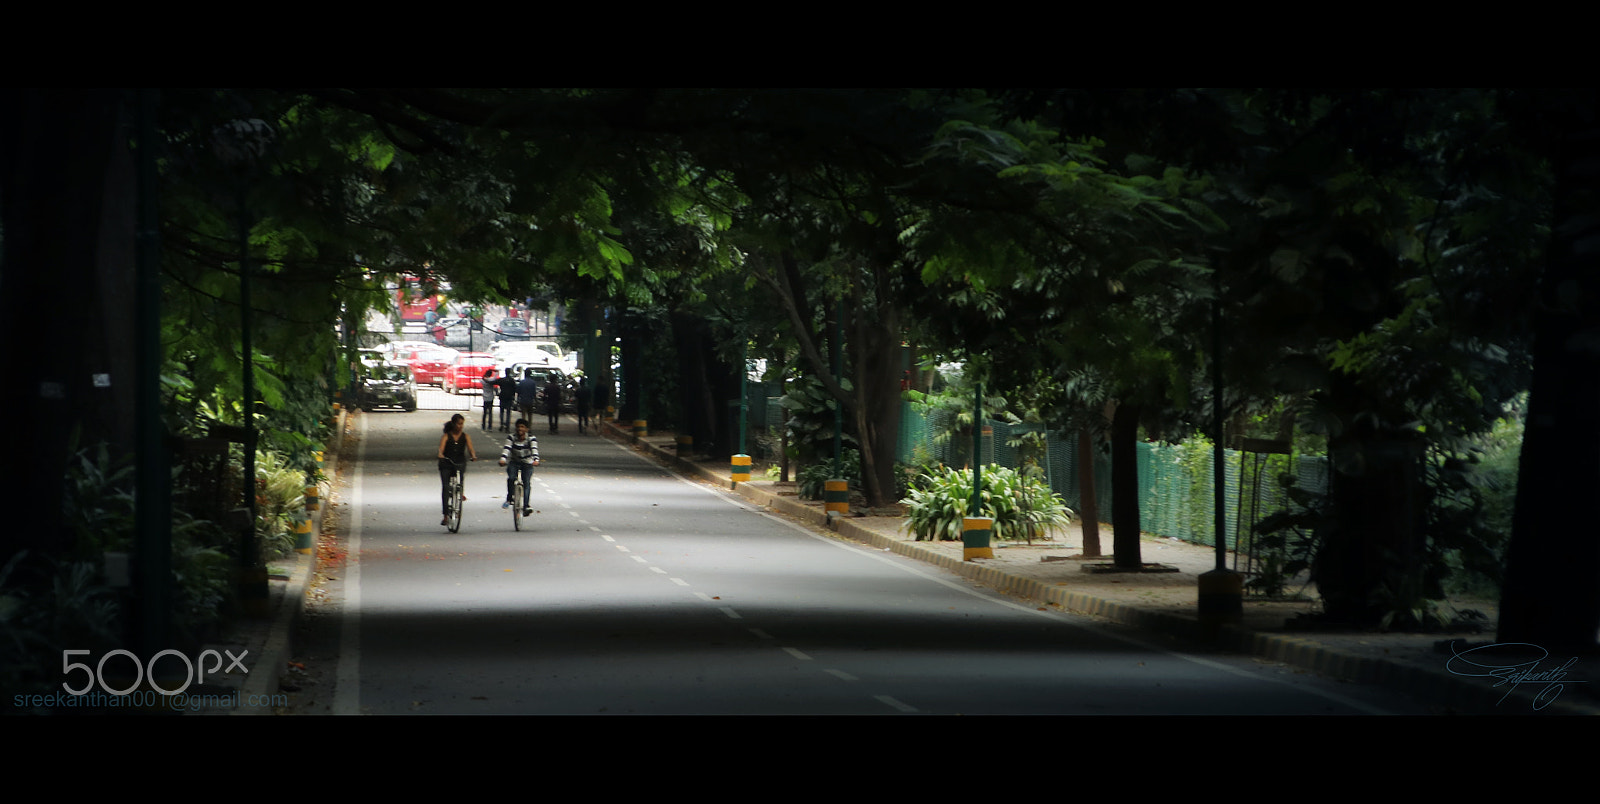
x=1066, y=257
x=1552, y=587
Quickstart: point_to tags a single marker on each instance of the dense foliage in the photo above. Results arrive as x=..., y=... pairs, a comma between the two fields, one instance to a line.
x=1366, y=260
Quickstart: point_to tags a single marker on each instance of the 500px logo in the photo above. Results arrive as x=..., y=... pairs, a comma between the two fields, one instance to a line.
x=96, y=674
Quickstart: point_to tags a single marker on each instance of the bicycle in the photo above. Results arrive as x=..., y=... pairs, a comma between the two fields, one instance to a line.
x=518, y=495
x=516, y=503
x=458, y=496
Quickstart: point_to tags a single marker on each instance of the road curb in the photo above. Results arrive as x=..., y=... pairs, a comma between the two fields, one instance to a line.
x=1439, y=687
x=267, y=672
x=1457, y=694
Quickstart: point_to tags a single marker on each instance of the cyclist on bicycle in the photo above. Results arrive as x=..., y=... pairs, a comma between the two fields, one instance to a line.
x=520, y=455
x=455, y=446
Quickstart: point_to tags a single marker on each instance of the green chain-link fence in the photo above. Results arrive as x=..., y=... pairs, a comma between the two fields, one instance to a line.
x=1175, y=482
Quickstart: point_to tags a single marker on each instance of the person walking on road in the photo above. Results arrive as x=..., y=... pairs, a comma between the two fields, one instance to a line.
x=519, y=456
x=455, y=447
x=489, y=389
x=552, y=402
x=528, y=394
x=507, y=386
x=581, y=391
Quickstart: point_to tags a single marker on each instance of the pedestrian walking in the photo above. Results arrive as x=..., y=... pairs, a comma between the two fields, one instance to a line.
x=581, y=391
x=528, y=394
x=507, y=386
x=489, y=390
x=552, y=402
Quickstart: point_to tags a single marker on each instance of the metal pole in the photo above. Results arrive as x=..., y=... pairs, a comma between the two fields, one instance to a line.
x=744, y=399
x=1218, y=465
x=977, y=450
x=1221, y=598
x=838, y=407
x=253, y=576
x=153, y=499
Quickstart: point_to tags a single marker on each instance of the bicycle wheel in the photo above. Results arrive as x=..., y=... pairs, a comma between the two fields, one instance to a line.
x=455, y=504
x=516, y=504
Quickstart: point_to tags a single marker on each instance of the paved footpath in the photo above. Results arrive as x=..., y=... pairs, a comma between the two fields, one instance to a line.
x=1163, y=603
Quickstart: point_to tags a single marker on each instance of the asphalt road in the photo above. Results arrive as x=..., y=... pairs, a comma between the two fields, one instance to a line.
x=634, y=591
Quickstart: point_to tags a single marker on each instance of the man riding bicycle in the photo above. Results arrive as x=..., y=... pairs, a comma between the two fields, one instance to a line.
x=519, y=456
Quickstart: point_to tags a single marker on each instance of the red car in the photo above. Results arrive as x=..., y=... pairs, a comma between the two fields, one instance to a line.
x=466, y=373
x=427, y=365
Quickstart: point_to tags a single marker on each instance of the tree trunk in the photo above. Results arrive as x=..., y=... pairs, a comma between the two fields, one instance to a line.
x=1125, y=486
x=876, y=359
x=1088, y=507
x=1377, y=521
x=57, y=149
x=1551, y=593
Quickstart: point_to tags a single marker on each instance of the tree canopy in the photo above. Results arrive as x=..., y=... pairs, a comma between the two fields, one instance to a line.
x=1373, y=253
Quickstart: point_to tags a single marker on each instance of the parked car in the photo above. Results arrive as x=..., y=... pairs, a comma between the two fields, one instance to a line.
x=509, y=353
x=466, y=373
x=427, y=364
x=545, y=374
x=393, y=350
x=387, y=385
x=455, y=333
x=512, y=329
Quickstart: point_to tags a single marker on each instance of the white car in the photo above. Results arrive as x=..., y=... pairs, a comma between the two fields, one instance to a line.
x=508, y=353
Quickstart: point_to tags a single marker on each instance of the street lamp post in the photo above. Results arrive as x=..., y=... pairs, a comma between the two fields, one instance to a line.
x=240, y=145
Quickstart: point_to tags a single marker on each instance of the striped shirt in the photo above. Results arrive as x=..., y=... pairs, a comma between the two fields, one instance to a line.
x=520, y=451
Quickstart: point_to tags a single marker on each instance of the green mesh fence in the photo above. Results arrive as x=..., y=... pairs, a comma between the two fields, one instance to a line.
x=1175, y=481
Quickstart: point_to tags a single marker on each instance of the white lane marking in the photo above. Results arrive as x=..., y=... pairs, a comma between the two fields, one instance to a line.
x=841, y=675
x=641, y=559
x=607, y=538
x=833, y=540
x=679, y=581
x=623, y=548
x=894, y=703
x=797, y=654
x=593, y=528
x=702, y=595
x=874, y=554
x=760, y=634
x=657, y=569
x=732, y=615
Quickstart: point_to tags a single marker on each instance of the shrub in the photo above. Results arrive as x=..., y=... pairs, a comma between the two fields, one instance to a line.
x=1023, y=507
x=814, y=478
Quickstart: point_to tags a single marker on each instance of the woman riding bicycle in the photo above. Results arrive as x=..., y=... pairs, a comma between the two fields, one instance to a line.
x=455, y=446
x=522, y=453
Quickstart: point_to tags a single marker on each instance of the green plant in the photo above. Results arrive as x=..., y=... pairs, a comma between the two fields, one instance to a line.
x=280, y=503
x=814, y=478
x=1022, y=506
x=811, y=418
x=46, y=605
